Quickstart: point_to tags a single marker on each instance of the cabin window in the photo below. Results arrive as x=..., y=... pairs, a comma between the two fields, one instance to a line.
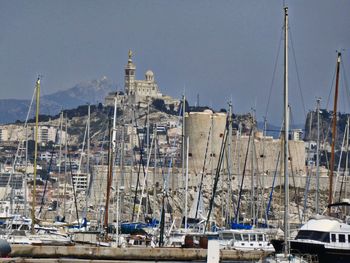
x=260, y=237
x=238, y=237
x=252, y=238
x=334, y=238
x=245, y=237
x=227, y=235
x=348, y=238
x=341, y=238
x=313, y=235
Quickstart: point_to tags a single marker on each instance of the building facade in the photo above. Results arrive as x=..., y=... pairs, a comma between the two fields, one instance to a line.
x=139, y=90
x=135, y=91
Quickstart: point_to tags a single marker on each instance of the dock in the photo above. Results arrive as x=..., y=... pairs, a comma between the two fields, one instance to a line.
x=28, y=253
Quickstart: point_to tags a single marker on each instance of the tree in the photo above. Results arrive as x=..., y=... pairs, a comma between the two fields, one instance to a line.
x=159, y=104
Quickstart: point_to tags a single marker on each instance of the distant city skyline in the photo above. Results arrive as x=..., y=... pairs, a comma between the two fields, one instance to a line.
x=221, y=50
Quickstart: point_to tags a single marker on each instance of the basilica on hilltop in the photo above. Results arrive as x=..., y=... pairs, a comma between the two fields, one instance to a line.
x=138, y=92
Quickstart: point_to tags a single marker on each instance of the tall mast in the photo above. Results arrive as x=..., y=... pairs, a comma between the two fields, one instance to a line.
x=109, y=176
x=334, y=130
x=229, y=163
x=318, y=157
x=87, y=190
x=155, y=173
x=59, y=160
x=186, y=182
x=286, y=122
x=26, y=174
x=88, y=143
x=65, y=165
x=183, y=136
x=253, y=175
x=35, y=152
x=60, y=149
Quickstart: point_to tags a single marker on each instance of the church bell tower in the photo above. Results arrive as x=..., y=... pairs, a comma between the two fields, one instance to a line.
x=130, y=76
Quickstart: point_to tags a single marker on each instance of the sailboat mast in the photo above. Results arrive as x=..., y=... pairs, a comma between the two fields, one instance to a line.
x=334, y=130
x=35, y=152
x=26, y=174
x=183, y=136
x=88, y=143
x=318, y=157
x=109, y=177
x=65, y=166
x=186, y=182
x=286, y=122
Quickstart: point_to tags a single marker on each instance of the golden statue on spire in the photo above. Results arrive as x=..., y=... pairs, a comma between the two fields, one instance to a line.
x=130, y=53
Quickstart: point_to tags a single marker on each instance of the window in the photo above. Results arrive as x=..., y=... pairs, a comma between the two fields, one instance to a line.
x=260, y=237
x=313, y=235
x=245, y=237
x=252, y=237
x=238, y=237
x=334, y=238
x=227, y=236
x=341, y=238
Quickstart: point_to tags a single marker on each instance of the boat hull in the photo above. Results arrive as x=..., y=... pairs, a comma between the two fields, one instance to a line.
x=323, y=253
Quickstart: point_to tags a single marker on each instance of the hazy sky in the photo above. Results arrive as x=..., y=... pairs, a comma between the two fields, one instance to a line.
x=219, y=49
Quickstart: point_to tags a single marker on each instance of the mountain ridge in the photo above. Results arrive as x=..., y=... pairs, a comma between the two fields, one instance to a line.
x=93, y=92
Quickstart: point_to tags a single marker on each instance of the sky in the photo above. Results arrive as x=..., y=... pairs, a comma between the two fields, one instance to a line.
x=222, y=50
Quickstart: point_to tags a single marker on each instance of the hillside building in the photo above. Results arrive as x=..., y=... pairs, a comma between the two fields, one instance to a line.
x=138, y=91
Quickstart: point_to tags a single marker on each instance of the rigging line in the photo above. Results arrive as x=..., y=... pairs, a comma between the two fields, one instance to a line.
x=19, y=144
x=82, y=148
x=203, y=170
x=172, y=155
x=48, y=175
x=243, y=174
x=274, y=73
x=272, y=189
x=217, y=175
x=73, y=185
x=325, y=139
x=164, y=196
x=139, y=166
x=343, y=100
x=297, y=73
x=230, y=193
x=328, y=130
x=331, y=88
x=345, y=83
x=346, y=137
x=306, y=192
x=297, y=194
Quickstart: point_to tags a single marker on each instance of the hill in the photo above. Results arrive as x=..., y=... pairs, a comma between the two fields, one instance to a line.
x=93, y=92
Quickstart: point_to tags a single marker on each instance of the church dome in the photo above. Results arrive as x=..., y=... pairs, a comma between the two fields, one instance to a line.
x=149, y=75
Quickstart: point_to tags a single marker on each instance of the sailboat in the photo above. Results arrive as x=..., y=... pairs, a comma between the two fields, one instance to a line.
x=37, y=235
x=327, y=236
